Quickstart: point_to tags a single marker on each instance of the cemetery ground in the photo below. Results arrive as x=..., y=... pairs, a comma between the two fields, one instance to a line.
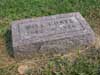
x=77, y=62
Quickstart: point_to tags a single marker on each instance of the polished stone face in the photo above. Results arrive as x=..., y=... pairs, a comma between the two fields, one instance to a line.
x=56, y=33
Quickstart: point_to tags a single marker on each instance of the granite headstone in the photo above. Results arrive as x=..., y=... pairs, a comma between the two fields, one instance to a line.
x=56, y=33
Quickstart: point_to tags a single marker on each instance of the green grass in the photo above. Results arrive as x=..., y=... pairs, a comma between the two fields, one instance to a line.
x=11, y=10
x=88, y=64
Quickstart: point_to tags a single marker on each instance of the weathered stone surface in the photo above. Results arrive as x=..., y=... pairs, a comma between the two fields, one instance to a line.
x=56, y=33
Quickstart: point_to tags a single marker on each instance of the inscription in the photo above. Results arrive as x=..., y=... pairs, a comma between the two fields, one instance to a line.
x=49, y=27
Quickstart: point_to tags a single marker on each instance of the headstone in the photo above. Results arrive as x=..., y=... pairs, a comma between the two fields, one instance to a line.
x=56, y=34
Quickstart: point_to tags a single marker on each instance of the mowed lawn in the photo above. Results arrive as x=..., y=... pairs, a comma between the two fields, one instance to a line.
x=11, y=10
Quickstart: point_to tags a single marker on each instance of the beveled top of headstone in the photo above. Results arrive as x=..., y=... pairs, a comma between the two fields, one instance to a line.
x=48, y=28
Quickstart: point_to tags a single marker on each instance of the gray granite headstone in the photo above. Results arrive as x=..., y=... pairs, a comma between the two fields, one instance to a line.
x=56, y=33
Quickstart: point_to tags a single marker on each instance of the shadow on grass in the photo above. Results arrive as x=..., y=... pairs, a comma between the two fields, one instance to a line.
x=8, y=42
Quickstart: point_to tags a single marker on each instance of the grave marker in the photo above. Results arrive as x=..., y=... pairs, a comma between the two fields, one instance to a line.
x=56, y=33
